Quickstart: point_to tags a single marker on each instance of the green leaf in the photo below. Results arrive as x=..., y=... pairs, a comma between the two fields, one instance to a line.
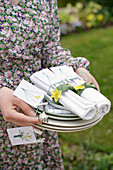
x=64, y=87
x=90, y=85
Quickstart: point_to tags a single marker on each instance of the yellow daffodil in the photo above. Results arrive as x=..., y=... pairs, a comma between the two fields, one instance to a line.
x=90, y=17
x=37, y=97
x=89, y=24
x=56, y=94
x=100, y=17
x=80, y=87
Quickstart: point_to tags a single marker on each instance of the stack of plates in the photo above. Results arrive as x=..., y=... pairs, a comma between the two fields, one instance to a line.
x=62, y=120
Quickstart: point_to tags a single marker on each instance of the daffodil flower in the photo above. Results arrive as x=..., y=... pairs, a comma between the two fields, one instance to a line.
x=90, y=17
x=56, y=94
x=100, y=17
x=79, y=87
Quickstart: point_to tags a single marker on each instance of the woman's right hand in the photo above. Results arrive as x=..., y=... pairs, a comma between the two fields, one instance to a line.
x=8, y=106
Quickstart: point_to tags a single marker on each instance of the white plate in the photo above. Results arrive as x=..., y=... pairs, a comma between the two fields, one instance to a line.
x=63, y=118
x=71, y=123
x=63, y=114
x=60, y=114
x=69, y=129
x=55, y=105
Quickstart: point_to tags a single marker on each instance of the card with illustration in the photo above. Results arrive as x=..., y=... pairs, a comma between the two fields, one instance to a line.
x=29, y=93
x=21, y=135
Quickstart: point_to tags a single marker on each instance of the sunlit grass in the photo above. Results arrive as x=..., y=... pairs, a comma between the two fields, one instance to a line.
x=97, y=46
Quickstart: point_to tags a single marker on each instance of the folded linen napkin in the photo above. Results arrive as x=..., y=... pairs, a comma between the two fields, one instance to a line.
x=51, y=109
x=101, y=103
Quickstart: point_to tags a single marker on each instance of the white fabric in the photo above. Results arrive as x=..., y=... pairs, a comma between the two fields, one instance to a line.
x=79, y=108
x=101, y=103
x=71, y=103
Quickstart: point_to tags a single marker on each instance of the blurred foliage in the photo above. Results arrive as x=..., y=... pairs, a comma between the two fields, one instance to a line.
x=64, y=3
x=80, y=17
x=107, y=4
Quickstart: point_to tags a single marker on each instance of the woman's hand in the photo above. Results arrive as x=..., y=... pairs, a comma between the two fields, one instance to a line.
x=8, y=106
x=82, y=72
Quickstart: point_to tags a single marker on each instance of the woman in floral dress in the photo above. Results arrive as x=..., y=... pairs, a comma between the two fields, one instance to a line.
x=29, y=41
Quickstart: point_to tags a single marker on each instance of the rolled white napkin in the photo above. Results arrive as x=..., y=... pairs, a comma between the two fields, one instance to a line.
x=101, y=103
x=79, y=108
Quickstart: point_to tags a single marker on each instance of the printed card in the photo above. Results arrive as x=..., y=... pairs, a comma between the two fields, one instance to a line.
x=21, y=135
x=29, y=93
x=67, y=73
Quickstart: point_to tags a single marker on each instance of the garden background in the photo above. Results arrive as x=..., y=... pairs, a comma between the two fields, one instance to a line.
x=86, y=30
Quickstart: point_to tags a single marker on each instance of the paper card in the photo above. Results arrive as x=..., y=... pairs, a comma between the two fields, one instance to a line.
x=47, y=77
x=64, y=72
x=67, y=73
x=29, y=93
x=21, y=135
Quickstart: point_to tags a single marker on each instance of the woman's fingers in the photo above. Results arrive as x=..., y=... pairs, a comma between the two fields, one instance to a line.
x=20, y=119
x=9, y=105
x=24, y=107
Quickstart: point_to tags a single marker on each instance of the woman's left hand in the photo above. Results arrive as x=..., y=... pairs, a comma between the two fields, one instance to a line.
x=87, y=77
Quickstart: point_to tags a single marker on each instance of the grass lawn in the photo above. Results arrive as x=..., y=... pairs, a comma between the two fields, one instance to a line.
x=97, y=46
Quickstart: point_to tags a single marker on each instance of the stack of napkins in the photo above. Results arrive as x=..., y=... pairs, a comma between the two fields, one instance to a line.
x=85, y=106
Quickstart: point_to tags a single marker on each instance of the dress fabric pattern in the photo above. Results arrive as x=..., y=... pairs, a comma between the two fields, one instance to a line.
x=30, y=41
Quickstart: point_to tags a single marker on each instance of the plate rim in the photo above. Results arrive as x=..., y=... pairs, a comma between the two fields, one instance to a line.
x=72, y=130
x=68, y=127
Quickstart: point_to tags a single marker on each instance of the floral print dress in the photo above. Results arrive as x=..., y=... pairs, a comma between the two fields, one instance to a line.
x=30, y=41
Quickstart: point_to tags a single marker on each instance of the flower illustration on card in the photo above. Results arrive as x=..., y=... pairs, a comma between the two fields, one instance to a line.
x=37, y=97
x=23, y=135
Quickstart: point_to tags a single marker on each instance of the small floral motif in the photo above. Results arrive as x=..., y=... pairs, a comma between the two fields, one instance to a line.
x=37, y=97
x=56, y=94
x=23, y=135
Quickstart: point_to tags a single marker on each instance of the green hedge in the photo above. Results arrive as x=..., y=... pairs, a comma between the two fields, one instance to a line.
x=108, y=4
x=62, y=3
